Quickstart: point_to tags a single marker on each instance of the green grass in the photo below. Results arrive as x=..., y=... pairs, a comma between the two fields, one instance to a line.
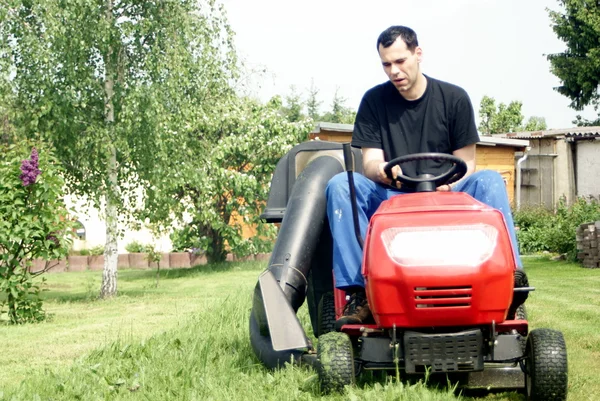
x=188, y=340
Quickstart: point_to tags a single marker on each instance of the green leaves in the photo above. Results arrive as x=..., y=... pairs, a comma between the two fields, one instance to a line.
x=578, y=67
x=126, y=80
x=35, y=223
x=150, y=84
x=505, y=118
x=162, y=63
x=224, y=186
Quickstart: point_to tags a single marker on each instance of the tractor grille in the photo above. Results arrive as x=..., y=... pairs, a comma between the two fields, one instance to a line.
x=443, y=297
x=447, y=352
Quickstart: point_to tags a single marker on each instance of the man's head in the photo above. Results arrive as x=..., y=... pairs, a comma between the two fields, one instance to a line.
x=400, y=55
x=407, y=35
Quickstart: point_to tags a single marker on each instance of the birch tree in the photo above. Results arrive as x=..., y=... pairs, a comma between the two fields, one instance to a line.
x=114, y=85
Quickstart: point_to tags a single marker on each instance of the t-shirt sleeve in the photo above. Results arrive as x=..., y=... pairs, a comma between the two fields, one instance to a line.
x=463, y=129
x=367, y=131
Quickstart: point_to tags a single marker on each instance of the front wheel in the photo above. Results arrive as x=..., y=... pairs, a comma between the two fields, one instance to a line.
x=336, y=362
x=546, y=371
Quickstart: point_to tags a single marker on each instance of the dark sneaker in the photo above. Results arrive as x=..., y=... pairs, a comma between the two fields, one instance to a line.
x=356, y=311
x=519, y=297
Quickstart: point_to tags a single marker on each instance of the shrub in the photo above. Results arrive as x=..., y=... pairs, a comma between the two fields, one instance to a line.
x=534, y=224
x=136, y=247
x=93, y=251
x=541, y=230
x=187, y=240
x=96, y=250
x=35, y=223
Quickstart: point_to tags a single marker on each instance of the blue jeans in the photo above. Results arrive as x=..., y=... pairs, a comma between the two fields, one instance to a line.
x=486, y=186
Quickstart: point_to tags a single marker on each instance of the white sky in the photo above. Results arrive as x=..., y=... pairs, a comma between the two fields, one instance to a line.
x=489, y=47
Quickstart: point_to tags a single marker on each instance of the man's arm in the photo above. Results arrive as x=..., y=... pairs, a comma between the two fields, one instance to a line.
x=466, y=153
x=373, y=163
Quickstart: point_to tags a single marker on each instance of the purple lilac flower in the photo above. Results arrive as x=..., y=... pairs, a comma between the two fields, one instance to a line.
x=51, y=237
x=30, y=168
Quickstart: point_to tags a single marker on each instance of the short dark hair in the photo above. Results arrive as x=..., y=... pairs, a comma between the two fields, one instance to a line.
x=389, y=36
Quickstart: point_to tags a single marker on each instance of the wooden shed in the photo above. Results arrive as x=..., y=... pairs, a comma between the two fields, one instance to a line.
x=493, y=153
x=562, y=164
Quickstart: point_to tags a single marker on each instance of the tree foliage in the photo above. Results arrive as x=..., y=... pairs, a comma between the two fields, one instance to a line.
x=536, y=124
x=312, y=103
x=294, y=105
x=339, y=113
x=166, y=69
x=578, y=67
x=501, y=118
x=114, y=86
x=227, y=190
x=138, y=99
x=35, y=223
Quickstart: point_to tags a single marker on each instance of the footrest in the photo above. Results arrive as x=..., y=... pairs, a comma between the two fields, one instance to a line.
x=443, y=352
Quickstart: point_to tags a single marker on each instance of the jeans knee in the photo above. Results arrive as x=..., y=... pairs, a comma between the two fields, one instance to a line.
x=336, y=183
x=490, y=177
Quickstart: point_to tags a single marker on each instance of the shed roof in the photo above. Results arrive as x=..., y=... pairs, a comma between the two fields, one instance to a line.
x=333, y=127
x=575, y=132
x=484, y=139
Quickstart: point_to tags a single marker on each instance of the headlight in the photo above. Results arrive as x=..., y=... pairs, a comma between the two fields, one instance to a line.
x=440, y=246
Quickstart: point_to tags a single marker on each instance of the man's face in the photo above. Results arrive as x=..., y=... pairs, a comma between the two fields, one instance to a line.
x=400, y=64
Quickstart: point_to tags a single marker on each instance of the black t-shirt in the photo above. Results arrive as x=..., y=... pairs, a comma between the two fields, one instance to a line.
x=442, y=120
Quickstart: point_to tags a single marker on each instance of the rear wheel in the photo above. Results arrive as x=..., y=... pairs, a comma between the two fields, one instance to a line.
x=546, y=371
x=521, y=313
x=326, y=314
x=336, y=362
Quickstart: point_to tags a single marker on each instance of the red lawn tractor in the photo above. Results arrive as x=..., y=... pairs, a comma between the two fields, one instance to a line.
x=439, y=274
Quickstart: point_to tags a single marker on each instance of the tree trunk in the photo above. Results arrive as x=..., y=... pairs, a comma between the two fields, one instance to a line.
x=109, y=275
x=216, y=252
x=12, y=308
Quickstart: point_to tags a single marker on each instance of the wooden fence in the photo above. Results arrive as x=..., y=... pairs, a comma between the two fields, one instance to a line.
x=174, y=260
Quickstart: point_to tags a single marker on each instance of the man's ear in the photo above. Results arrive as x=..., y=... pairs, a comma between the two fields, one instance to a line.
x=419, y=52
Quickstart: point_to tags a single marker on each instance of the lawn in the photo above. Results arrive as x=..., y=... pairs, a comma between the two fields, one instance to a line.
x=187, y=339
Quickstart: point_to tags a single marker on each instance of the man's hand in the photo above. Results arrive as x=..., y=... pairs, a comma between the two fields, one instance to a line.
x=373, y=164
x=444, y=188
x=384, y=178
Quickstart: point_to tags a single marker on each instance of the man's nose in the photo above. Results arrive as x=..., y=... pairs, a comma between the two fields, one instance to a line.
x=394, y=70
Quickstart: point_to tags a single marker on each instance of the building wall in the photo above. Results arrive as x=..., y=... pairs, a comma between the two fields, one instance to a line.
x=332, y=136
x=588, y=168
x=500, y=159
x=537, y=183
x=95, y=231
x=564, y=171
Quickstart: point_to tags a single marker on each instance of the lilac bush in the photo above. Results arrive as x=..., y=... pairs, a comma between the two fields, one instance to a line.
x=34, y=224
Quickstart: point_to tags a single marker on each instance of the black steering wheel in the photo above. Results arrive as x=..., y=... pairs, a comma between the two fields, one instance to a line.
x=428, y=182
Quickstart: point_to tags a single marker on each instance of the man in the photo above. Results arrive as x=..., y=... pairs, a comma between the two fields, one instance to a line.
x=410, y=113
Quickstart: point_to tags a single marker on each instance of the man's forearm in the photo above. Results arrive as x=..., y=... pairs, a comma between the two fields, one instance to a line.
x=371, y=170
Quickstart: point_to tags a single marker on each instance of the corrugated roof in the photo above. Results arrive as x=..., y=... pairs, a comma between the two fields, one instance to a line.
x=588, y=132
